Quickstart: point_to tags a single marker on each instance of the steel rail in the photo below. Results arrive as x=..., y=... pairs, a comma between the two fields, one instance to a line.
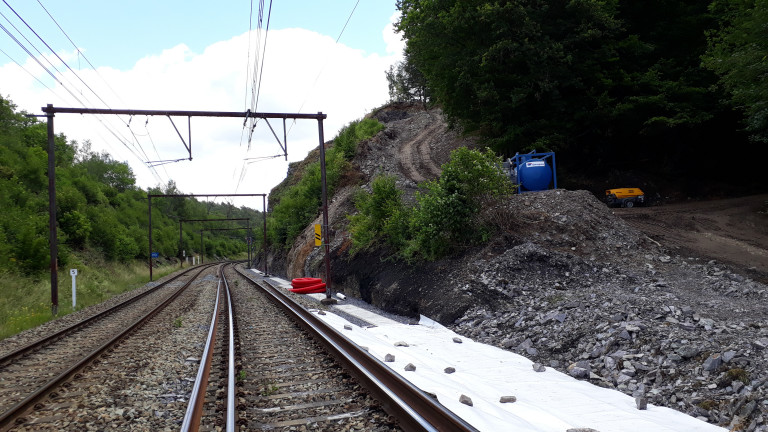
x=231, y=390
x=414, y=410
x=194, y=413
x=35, y=397
x=38, y=343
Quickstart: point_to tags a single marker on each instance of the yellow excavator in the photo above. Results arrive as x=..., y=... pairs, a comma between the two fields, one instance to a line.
x=624, y=197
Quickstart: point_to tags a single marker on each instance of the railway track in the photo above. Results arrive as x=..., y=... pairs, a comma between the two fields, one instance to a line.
x=33, y=376
x=255, y=361
x=278, y=367
x=309, y=374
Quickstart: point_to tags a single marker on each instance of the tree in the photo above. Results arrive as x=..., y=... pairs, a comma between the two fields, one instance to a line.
x=597, y=81
x=407, y=83
x=521, y=72
x=737, y=53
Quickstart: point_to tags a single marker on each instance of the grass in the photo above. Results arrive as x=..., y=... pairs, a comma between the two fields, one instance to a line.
x=738, y=374
x=241, y=375
x=268, y=387
x=25, y=301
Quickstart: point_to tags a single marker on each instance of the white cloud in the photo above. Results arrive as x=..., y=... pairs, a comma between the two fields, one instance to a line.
x=394, y=41
x=302, y=71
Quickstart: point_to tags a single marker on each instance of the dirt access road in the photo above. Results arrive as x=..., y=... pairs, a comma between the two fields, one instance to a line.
x=732, y=231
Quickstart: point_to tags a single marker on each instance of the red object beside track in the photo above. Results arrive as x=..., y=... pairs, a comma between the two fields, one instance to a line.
x=305, y=282
x=312, y=289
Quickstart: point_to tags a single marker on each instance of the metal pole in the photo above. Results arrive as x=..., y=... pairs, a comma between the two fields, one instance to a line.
x=264, y=215
x=248, y=242
x=149, y=200
x=181, y=258
x=52, y=240
x=324, y=190
x=202, y=247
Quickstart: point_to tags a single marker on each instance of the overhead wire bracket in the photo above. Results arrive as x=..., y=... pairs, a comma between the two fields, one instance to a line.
x=260, y=158
x=189, y=129
x=283, y=145
x=163, y=162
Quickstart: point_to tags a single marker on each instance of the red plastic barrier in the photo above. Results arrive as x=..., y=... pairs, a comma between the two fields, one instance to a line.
x=312, y=289
x=305, y=282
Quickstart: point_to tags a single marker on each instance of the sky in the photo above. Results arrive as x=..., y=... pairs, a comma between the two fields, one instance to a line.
x=199, y=55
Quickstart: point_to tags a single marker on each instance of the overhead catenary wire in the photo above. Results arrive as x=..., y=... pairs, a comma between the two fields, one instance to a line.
x=249, y=122
x=55, y=54
x=137, y=145
x=255, y=78
x=64, y=86
x=79, y=52
x=314, y=84
x=36, y=59
x=26, y=70
x=263, y=57
x=55, y=78
x=258, y=66
x=319, y=73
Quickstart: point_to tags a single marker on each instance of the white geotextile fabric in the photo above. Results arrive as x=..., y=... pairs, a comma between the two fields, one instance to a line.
x=547, y=401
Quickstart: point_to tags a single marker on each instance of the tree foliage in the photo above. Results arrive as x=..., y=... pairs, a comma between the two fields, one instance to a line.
x=407, y=83
x=99, y=206
x=609, y=84
x=737, y=53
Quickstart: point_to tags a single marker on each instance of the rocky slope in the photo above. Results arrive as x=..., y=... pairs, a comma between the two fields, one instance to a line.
x=567, y=284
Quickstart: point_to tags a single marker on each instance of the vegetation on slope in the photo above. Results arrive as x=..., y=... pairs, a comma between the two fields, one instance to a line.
x=612, y=86
x=98, y=204
x=293, y=207
x=445, y=216
x=102, y=223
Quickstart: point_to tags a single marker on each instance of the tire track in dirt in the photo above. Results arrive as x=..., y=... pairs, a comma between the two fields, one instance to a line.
x=732, y=230
x=415, y=156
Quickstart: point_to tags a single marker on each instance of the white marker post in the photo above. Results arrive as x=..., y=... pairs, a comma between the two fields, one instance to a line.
x=73, y=272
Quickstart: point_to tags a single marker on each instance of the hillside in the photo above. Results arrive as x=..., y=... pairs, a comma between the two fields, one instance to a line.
x=569, y=283
x=99, y=208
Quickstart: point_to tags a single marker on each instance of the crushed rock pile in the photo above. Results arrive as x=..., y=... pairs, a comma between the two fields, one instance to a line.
x=582, y=292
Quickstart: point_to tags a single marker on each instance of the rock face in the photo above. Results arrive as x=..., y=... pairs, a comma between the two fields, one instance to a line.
x=567, y=284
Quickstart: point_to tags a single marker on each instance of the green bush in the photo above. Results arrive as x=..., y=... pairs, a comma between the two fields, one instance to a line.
x=445, y=215
x=76, y=226
x=125, y=248
x=376, y=210
x=31, y=251
x=350, y=135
